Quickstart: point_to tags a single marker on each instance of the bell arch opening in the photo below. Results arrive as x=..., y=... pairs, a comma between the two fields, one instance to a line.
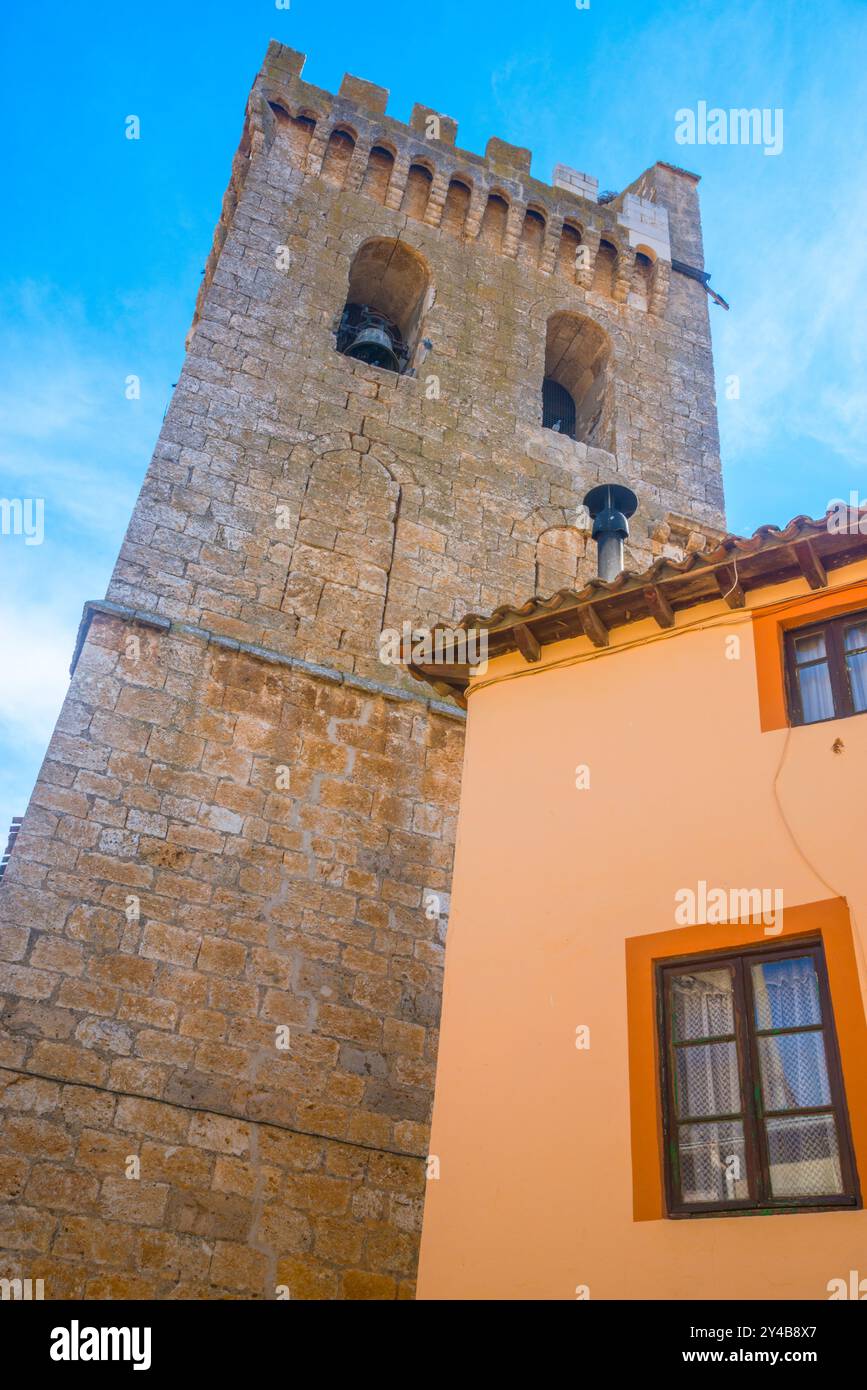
x=388, y=295
x=558, y=408
x=576, y=389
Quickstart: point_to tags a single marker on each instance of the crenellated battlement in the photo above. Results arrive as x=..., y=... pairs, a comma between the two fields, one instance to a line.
x=620, y=250
x=653, y=219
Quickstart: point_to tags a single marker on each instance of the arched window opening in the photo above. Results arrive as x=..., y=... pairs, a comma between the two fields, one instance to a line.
x=532, y=238
x=567, y=251
x=297, y=132
x=642, y=273
x=371, y=337
x=377, y=175
x=560, y=554
x=417, y=191
x=493, y=227
x=558, y=408
x=605, y=269
x=455, y=208
x=577, y=356
x=387, y=297
x=301, y=133
x=338, y=153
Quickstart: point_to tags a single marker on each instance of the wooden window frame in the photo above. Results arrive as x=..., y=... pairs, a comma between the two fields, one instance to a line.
x=760, y=1201
x=835, y=655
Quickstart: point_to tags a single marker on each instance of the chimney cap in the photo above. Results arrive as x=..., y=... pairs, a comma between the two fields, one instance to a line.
x=611, y=497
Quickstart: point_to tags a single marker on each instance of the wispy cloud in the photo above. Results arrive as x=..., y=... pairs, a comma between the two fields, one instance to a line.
x=71, y=437
x=36, y=649
x=797, y=346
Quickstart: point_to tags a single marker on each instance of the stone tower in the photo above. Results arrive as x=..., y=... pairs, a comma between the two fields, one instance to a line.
x=223, y=919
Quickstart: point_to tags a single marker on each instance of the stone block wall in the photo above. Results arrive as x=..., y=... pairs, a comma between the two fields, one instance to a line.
x=217, y=957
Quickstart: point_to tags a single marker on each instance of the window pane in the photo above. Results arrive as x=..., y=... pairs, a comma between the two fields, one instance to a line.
x=817, y=700
x=794, y=1071
x=707, y=1080
x=810, y=647
x=786, y=993
x=713, y=1165
x=805, y=1160
x=856, y=637
x=701, y=1004
x=856, y=664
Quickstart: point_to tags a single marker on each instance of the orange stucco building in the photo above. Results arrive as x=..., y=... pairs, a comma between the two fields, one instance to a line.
x=652, y=1080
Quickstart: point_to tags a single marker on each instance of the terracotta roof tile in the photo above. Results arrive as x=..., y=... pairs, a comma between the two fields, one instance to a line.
x=807, y=547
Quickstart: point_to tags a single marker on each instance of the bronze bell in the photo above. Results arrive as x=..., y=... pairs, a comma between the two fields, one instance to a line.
x=374, y=345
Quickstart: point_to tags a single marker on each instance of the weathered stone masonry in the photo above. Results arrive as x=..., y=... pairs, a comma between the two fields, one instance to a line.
x=242, y=814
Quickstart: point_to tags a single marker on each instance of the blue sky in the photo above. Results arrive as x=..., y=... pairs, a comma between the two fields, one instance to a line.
x=104, y=238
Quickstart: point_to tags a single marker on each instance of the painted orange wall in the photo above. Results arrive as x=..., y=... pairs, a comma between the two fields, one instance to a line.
x=536, y=1193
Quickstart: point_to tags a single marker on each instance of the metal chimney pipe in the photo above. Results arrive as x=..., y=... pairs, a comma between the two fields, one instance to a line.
x=610, y=505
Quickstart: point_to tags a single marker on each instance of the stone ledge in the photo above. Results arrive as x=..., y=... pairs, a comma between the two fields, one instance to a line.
x=296, y=663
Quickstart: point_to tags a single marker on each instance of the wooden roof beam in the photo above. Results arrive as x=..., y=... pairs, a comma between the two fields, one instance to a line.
x=730, y=586
x=593, y=626
x=526, y=643
x=450, y=692
x=659, y=606
x=445, y=671
x=810, y=565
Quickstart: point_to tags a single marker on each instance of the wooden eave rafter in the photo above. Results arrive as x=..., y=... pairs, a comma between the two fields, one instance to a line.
x=593, y=626
x=730, y=587
x=658, y=605
x=810, y=565
x=527, y=643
